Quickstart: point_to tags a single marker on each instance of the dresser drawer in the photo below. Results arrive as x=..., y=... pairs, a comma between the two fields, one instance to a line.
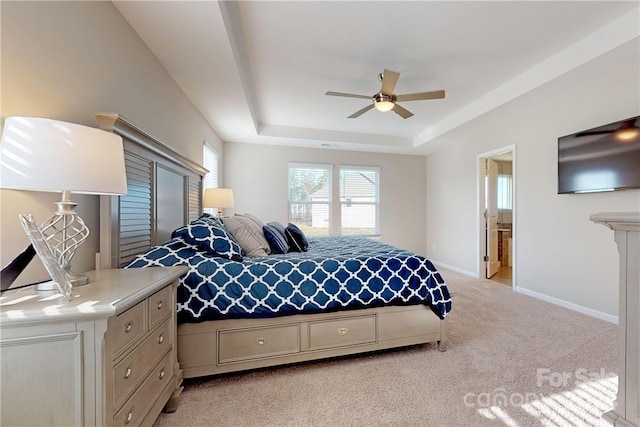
x=136, y=408
x=342, y=332
x=243, y=344
x=128, y=326
x=160, y=306
x=130, y=371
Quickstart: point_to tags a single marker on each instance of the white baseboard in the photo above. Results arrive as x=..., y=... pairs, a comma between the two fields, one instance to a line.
x=569, y=305
x=562, y=303
x=453, y=268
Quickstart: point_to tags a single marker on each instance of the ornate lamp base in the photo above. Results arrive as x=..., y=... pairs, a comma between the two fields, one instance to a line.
x=65, y=231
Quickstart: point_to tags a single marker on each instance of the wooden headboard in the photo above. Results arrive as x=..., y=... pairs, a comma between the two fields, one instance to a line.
x=164, y=193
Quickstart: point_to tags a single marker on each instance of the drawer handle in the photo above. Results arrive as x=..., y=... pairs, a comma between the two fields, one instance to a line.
x=128, y=326
x=261, y=341
x=128, y=371
x=343, y=331
x=159, y=304
x=161, y=376
x=129, y=417
x=161, y=338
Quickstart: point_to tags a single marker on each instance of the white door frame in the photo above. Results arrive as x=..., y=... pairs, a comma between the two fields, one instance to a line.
x=492, y=263
x=480, y=223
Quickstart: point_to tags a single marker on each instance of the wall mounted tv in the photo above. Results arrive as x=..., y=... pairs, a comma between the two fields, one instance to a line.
x=605, y=158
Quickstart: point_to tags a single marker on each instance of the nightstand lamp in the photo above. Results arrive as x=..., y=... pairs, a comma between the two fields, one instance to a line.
x=38, y=154
x=218, y=198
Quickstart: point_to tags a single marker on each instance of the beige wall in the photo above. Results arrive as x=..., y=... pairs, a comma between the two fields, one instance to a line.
x=258, y=176
x=559, y=253
x=66, y=61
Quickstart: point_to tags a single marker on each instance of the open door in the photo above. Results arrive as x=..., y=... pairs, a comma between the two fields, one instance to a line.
x=491, y=218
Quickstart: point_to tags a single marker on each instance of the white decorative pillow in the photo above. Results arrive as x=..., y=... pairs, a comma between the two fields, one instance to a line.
x=248, y=234
x=253, y=218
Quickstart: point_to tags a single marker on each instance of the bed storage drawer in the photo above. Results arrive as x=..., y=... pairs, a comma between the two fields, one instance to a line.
x=342, y=332
x=253, y=343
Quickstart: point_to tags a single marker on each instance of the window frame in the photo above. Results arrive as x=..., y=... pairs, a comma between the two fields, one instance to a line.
x=376, y=203
x=505, y=189
x=328, y=168
x=211, y=179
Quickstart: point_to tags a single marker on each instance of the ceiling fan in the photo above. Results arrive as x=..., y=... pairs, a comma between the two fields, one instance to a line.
x=386, y=100
x=627, y=130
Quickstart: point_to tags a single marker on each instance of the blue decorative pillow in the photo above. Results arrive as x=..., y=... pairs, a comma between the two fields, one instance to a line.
x=209, y=235
x=296, y=238
x=212, y=219
x=277, y=226
x=276, y=239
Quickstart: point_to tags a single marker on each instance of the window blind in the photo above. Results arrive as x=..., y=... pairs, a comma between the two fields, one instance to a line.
x=359, y=199
x=505, y=192
x=210, y=163
x=310, y=198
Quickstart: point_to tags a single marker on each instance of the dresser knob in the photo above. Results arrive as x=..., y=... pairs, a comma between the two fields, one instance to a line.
x=128, y=326
x=127, y=372
x=261, y=341
x=343, y=331
x=161, y=376
x=161, y=339
x=129, y=417
x=159, y=305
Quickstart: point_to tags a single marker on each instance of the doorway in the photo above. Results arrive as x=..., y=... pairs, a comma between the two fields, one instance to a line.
x=496, y=225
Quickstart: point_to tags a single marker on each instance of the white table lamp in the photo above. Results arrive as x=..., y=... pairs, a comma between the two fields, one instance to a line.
x=219, y=198
x=39, y=154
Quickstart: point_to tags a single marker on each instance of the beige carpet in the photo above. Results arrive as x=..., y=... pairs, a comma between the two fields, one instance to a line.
x=511, y=360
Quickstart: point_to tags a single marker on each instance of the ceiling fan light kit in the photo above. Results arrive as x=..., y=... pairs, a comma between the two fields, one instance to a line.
x=386, y=100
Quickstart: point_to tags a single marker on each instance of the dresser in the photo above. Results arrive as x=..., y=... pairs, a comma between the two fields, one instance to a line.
x=107, y=357
x=626, y=229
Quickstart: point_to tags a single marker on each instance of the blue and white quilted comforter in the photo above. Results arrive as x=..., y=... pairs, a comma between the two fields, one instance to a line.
x=337, y=273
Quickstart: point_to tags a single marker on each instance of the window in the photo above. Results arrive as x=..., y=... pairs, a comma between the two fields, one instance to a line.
x=211, y=178
x=310, y=198
x=211, y=164
x=359, y=200
x=505, y=192
x=357, y=204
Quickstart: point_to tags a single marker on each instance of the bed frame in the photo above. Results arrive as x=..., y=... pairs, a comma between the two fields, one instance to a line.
x=159, y=179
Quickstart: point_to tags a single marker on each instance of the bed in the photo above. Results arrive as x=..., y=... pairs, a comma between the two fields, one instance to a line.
x=342, y=296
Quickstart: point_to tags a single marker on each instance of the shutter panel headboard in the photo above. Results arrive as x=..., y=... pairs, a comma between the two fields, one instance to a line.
x=136, y=213
x=164, y=192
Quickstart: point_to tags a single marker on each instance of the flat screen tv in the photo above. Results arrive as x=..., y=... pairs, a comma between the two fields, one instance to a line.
x=605, y=158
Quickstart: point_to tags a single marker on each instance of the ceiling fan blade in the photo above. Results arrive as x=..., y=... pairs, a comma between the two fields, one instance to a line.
x=436, y=94
x=361, y=112
x=402, y=112
x=389, y=80
x=348, y=95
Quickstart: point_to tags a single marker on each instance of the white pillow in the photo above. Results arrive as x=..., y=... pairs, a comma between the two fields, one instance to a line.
x=248, y=234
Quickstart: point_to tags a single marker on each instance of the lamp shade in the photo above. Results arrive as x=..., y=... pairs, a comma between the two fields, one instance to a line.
x=218, y=198
x=40, y=154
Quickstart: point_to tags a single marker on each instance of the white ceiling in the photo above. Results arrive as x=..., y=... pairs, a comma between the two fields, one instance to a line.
x=258, y=70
